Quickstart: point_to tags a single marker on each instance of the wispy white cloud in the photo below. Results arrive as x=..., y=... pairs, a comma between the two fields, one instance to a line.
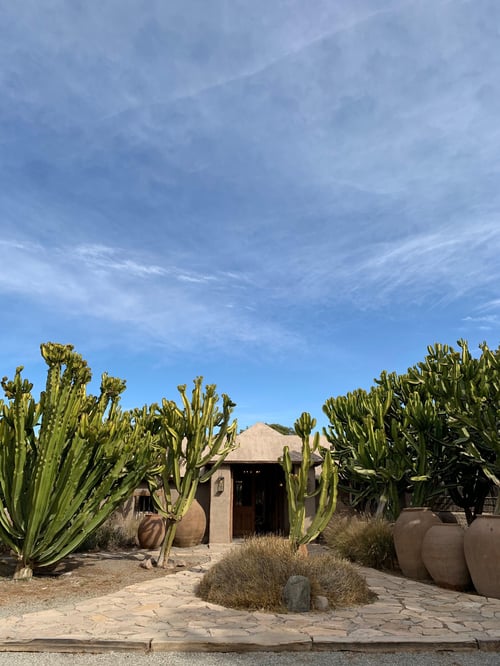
x=183, y=307
x=485, y=317
x=445, y=264
x=490, y=323
x=260, y=61
x=215, y=178
x=106, y=285
x=108, y=258
x=196, y=279
x=442, y=265
x=490, y=305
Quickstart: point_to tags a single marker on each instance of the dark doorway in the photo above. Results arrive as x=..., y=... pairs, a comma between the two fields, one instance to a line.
x=258, y=500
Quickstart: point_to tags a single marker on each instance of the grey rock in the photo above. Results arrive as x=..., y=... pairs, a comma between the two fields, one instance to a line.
x=297, y=594
x=321, y=603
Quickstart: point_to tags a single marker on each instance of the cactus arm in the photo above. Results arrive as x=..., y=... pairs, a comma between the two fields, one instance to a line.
x=219, y=453
x=87, y=498
x=19, y=454
x=61, y=400
x=17, y=423
x=292, y=493
x=327, y=500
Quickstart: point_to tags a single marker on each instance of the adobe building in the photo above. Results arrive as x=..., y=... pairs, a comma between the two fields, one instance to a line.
x=247, y=494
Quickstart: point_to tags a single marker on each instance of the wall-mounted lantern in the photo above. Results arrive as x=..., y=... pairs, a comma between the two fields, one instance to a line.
x=219, y=485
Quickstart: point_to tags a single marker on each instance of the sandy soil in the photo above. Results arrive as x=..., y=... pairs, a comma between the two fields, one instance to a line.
x=80, y=576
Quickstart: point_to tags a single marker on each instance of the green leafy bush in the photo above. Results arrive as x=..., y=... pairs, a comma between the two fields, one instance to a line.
x=362, y=539
x=253, y=577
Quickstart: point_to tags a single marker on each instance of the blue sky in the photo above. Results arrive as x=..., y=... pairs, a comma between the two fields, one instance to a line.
x=285, y=197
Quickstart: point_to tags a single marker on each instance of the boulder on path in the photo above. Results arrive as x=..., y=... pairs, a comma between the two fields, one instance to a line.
x=297, y=594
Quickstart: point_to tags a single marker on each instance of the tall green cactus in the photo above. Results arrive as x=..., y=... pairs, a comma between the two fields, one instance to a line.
x=471, y=392
x=430, y=431
x=297, y=485
x=191, y=443
x=367, y=445
x=463, y=394
x=422, y=427
x=66, y=461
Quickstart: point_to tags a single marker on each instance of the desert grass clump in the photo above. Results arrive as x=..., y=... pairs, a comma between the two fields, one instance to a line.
x=253, y=576
x=109, y=537
x=362, y=539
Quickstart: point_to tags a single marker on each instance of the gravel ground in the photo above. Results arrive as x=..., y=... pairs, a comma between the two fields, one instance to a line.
x=254, y=659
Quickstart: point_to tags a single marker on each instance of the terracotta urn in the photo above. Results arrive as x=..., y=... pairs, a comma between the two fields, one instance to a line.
x=151, y=531
x=409, y=531
x=482, y=553
x=191, y=529
x=444, y=558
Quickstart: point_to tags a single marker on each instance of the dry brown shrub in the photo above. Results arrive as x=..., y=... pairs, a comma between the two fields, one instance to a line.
x=362, y=539
x=110, y=537
x=253, y=577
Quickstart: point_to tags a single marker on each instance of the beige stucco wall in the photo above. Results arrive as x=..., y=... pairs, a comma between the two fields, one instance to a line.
x=221, y=515
x=203, y=497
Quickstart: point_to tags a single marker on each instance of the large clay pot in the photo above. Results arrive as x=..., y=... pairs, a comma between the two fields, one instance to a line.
x=191, y=528
x=409, y=532
x=482, y=553
x=151, y=531
x=443, y=556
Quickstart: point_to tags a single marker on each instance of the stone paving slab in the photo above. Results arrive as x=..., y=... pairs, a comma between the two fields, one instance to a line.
x=165, y=615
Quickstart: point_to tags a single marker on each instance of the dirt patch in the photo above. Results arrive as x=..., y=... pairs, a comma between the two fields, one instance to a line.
x=81, y=576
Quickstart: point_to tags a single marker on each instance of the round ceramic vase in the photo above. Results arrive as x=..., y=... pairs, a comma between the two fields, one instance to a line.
x=409, y=531
x=151, y=531
x=191, y=529
x=444, y=558
x=482, y=553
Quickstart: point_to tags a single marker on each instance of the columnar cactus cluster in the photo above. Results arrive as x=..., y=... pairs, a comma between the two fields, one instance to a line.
x=432, y=430
x=190, y=444
x=66, y=461
x=368, y=445
x=297, y=485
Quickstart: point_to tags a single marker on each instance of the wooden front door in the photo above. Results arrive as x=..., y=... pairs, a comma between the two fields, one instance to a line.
x=243, y=501
x=258, y=500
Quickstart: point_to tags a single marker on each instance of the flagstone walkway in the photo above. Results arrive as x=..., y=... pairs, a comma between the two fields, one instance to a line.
x=165, y=615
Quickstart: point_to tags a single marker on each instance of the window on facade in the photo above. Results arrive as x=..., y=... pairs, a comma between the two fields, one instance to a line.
x=144, y=504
